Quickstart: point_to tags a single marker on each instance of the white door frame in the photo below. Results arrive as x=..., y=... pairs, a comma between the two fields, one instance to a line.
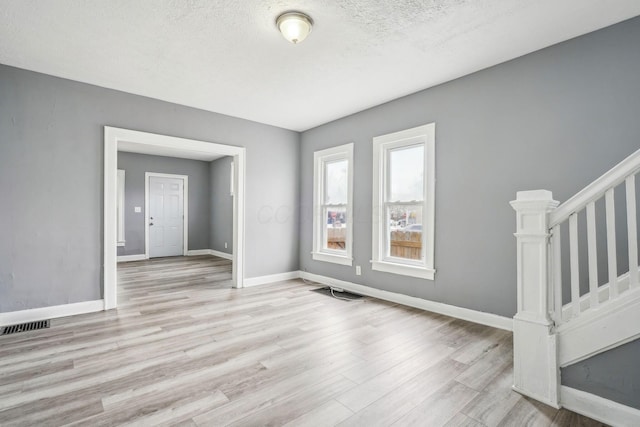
x=185, y=209
x=112, y=136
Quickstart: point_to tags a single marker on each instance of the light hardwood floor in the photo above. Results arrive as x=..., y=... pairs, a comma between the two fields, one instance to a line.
x=183, y=348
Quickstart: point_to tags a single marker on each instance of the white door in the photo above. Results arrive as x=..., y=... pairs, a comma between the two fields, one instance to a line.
x=166, y=210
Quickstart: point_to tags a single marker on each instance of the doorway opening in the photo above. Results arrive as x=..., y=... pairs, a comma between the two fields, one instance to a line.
x=117, y=139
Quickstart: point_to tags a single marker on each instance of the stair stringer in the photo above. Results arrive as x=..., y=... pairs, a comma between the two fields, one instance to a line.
x=600, y=329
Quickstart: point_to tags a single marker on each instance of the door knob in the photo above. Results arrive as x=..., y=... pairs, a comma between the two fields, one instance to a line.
x=150, y=223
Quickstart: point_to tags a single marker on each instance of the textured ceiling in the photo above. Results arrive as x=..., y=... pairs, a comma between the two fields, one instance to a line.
x=227, y=56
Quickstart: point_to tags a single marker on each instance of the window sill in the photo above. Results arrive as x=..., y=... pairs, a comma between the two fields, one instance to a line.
x=121, y=243
x=336, y=259
x=403, y=269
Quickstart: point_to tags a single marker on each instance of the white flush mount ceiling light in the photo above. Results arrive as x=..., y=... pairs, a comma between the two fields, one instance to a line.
x=294, y=26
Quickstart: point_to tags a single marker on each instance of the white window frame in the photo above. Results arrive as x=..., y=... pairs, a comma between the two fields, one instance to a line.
x=381, y=260
x=120, y=203
x=320, y=158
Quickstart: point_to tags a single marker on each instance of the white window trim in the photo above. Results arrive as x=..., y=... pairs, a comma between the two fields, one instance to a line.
x=121, y=176
x=319, y=253
x=381, y=145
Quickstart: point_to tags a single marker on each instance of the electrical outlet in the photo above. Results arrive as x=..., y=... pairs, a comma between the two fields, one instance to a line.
x=225, y=245
x=358, y=270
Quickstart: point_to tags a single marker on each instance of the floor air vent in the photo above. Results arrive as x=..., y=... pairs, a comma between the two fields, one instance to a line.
x=340, y=294
x=24, y=327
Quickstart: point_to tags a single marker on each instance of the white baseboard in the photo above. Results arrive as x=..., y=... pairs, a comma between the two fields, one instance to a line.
x=600, y=409
x=263, y=280
x=44, y=313
x=210, y=252
x=195, y=252
x=127, y=258
x=221, y=254
x=483, y=318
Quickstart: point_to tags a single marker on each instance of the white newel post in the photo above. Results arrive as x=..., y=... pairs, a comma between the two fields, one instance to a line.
x=535, y=362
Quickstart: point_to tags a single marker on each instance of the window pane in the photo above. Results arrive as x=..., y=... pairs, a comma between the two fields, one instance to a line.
x=336, y=174
x=406, y=174
x=335, y=235
x=404, y=232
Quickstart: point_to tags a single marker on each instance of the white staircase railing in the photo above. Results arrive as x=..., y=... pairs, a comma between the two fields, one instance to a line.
x=568, y=212
x=547, y=333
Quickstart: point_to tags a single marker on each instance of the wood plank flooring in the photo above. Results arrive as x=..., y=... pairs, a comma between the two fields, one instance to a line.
x=183, y=348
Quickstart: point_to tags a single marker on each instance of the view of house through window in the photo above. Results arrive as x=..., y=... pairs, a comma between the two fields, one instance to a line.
x=332, y=195
x=404, y=202
x=336, y=174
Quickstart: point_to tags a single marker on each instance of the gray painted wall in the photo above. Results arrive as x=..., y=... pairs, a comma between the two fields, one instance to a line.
x=613, y=375
x=51, y=169
x=135, y=166
x=221, y=219
x=555, y=119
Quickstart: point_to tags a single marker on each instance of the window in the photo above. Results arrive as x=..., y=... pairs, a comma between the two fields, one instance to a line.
x=120, y=206
x=403, y=202
x=332, y=199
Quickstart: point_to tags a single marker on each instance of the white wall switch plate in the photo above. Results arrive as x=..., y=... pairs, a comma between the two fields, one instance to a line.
x=137, y=209
x=358, y=270
x=225, y=245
